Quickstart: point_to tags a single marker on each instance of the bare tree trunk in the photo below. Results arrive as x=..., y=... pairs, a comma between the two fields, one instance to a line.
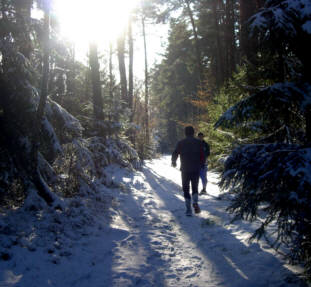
x=230, y=39
x=86, y=84
x=70, y=87
x=308, y=125
x=219, y=58
x=247, y=9
x=95, y=75
x=146, y=84
x=196, y=42
x=122, y=69
x=131, y=75
x=43, y=189
x=248, y=44
x=111, y=99
x=45, y=68
x=110, y=72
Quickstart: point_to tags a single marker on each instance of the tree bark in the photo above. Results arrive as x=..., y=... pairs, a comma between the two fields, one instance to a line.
x=45, y=68
x=308, y=125
x=43, y=189
x=230, y=39
x=95, y=76
x=69, y=82
x=146, y=85
x=247, y=9
x=219, y=59
x=111, y=98
x=122, y=69
x=131, y=75
x=197, y=44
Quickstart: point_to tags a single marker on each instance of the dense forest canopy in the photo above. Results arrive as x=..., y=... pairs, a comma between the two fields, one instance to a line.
x=237, y=70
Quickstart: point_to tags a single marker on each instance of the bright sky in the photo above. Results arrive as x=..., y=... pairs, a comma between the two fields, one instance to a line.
x=103, y=21
x=97, y=20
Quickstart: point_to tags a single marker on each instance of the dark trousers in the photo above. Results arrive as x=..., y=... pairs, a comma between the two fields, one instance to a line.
x=186, y=178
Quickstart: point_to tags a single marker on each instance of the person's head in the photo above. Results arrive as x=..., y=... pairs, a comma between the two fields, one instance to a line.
x=189, y=131
x=200, y=136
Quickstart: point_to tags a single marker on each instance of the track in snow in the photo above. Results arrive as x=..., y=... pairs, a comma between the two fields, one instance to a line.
x=166, y=248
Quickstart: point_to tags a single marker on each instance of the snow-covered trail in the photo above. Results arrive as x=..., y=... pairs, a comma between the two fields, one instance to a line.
x=166, y=248
x=146, y=240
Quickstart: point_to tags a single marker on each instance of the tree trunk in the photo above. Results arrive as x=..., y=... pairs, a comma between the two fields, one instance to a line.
x=247, y=9
x=146, y=85
x=219, y=59
x=70, y=86
x=23, y=21
x=230, y=39
x=308, y=125
x=45, y=68
x=95, y=76
x=43, y=189
x=122, y=69
x=196, y=42
x=131, y=75
x=111, y=98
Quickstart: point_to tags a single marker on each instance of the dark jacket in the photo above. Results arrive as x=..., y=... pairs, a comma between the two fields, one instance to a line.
x=206, y=152
x=190, y=151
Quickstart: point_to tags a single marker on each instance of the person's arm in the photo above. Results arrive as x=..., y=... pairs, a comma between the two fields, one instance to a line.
x=175, y=154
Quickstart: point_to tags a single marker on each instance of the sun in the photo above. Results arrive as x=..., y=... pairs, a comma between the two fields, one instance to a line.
x=93, y=20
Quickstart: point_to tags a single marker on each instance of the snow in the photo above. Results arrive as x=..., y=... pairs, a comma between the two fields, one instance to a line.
x=283, y=17
x=70, y=123
x=137, y=234
x=57, y=148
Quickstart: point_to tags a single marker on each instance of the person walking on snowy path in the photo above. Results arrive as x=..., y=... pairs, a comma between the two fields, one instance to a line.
x=190, y=152
x=203, y=169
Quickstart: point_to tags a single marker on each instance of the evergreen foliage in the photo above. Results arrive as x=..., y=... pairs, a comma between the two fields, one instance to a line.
x=270, y=175
x=83, y=162
x=222, y=140
x=275, y=112
x=174, y=84
x=273, y=181
x=200, y=57
x=261, y=111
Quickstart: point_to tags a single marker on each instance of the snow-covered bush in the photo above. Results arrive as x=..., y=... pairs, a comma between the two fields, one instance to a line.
x=66, y=126
x=83, y=161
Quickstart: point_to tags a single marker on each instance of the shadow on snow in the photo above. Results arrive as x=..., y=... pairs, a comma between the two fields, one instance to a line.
x=236, y=264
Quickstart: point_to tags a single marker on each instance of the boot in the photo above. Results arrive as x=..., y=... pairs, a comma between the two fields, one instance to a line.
x=203, y=191
x=196, y=206
x=188, y=207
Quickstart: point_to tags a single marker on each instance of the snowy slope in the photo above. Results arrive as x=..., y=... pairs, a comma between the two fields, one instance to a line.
x=137, y=235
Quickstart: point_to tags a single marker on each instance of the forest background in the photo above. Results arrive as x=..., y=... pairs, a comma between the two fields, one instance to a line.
x=237, y=70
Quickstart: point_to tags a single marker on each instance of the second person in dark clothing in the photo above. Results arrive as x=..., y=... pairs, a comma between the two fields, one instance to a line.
x=190, y=152
x=203, y=169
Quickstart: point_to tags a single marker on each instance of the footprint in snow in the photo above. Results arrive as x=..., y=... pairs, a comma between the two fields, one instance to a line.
x=191, y=275
x=158, y=243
